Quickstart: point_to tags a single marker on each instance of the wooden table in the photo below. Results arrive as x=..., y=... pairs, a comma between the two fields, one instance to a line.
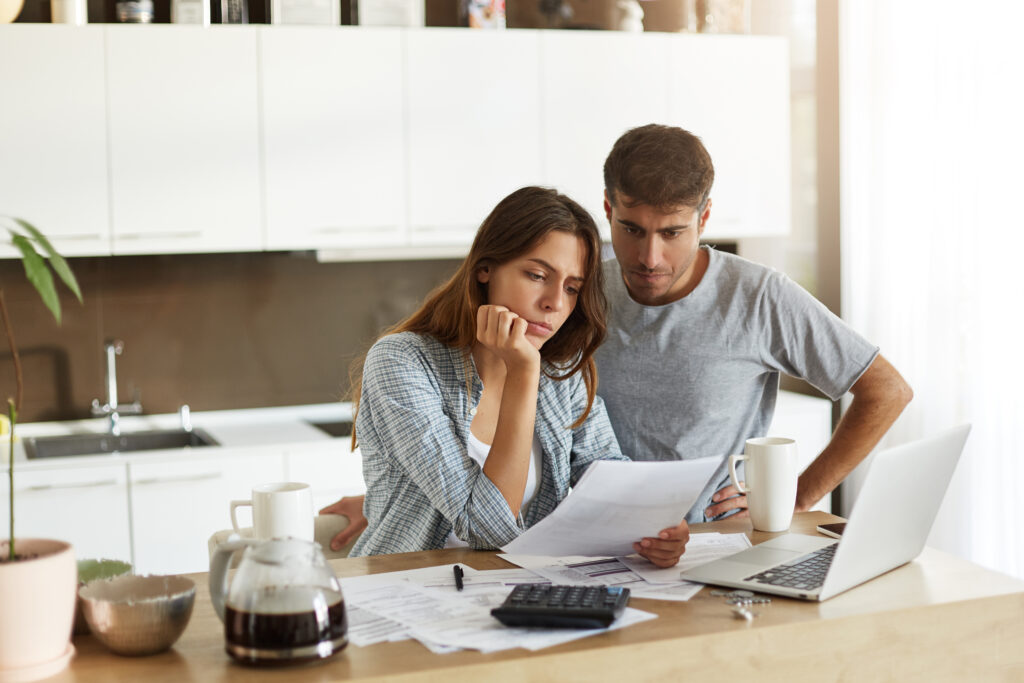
x=937, y=618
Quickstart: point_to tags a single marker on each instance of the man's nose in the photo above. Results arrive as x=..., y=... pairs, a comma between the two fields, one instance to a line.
x=650, y=253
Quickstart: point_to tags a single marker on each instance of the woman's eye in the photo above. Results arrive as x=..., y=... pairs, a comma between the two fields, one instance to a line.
x=573, y=291
x=534, y=276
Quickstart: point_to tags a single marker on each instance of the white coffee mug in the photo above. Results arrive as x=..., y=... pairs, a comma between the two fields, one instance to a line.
x=771, y=473
x=279, y=510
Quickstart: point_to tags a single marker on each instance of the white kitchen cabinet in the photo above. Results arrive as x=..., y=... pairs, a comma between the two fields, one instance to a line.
x=332, y=470
x=85, y=506
x=596, y=86
x=733, y=92
x=176, y=505
x=333, y=137
x=53, y=135
x=474, y=122
x=184, y=139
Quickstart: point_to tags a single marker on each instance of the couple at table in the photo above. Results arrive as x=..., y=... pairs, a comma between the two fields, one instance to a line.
x=476, y=414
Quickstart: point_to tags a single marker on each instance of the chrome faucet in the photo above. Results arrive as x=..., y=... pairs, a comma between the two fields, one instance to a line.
x=113, y=348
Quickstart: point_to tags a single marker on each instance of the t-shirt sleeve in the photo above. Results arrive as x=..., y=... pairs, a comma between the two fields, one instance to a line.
x=806, y=340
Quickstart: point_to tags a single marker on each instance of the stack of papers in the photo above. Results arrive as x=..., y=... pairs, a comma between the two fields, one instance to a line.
x=424, y=604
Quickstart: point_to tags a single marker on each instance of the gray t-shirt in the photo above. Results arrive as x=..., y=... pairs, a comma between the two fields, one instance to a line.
x=699, y=376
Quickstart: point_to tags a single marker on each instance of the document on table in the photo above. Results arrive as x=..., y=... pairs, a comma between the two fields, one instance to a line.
x=615, y=504
x=424, y=604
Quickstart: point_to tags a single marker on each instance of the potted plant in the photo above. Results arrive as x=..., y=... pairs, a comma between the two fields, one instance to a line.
x=38, y=577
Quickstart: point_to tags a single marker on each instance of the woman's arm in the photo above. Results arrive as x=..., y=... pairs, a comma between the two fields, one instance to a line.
x=407, y=436
x=502, y=336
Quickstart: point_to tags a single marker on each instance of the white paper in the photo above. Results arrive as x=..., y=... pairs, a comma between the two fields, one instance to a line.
x=616, y=504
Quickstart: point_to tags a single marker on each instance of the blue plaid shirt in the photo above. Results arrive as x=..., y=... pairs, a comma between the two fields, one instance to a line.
x=413, y=429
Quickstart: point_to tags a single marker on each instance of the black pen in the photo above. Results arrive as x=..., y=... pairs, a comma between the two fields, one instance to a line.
x=458, y=576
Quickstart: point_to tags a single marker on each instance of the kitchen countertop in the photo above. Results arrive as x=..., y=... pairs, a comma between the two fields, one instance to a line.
x=232, y=429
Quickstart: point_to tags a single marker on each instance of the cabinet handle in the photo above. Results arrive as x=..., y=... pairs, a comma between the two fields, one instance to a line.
x=184, y=235
x=83, y=485
x=175, y=480
x=344, y=230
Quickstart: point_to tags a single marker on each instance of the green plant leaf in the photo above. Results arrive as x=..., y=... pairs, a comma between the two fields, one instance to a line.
x=38, y=273
x=60, y=266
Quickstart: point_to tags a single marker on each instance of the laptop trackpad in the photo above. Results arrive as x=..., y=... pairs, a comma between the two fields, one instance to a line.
x=766, y=557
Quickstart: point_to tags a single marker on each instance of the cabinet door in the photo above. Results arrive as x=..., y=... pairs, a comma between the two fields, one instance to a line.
x=177, y=505
x=474, y=127
x=85, y=506
x=332, y=470
x=333, y=137
x=733, y=92
x=184, y=141
x=53, y=135
x=597, y=85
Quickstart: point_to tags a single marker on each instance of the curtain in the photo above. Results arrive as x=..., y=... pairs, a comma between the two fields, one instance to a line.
x=932, y=236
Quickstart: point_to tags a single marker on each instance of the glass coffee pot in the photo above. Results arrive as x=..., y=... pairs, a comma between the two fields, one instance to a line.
x=284, y=605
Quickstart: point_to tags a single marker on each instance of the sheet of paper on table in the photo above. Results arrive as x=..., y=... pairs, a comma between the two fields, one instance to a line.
x=424, y=604
x=643, y=579
x=615, y=504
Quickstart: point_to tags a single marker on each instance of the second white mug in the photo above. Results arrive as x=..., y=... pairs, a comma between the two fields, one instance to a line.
x=771, y=476
x=279, y=510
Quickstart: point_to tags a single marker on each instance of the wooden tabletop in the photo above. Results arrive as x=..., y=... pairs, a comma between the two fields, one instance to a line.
x=936, y=618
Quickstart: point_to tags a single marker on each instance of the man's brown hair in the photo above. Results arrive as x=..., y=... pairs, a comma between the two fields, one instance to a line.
x=660, y=166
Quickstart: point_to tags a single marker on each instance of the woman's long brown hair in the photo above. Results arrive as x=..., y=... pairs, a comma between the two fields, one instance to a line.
x=517, y=224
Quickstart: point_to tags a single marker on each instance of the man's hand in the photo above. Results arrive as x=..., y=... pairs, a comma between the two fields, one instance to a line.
x=727, y=499
x=665, y=550
x=351, y=507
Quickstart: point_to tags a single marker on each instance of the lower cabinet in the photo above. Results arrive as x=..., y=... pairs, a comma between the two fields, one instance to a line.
x=177, y=505
x=82, y=505
x=332, y=471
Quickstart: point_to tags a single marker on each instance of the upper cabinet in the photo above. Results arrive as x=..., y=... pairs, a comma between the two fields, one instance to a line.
x=596, y=87
x=130, y=139
x=733, y=91
x=474, y=108
x=333, y=137
x=53, y=135
x=184, y=139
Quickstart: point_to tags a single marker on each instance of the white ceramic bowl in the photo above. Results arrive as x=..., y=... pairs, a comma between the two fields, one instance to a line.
x=138, y=615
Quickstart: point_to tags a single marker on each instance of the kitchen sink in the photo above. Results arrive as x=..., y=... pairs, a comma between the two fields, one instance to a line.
x=342, y=428
x=92, y=444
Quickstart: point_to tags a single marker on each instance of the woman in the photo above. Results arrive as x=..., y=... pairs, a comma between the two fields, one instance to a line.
x=477, y=413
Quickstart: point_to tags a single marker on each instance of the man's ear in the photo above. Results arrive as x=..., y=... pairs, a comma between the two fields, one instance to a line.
x=704, y=217
x=607, y=207
x=483, y=274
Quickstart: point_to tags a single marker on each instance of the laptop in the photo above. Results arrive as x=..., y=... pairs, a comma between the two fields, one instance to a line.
x=888, y=527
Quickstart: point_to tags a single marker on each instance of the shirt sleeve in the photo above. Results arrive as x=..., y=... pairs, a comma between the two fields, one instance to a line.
x=808, y=341
x=594, y=439
x=404, y=400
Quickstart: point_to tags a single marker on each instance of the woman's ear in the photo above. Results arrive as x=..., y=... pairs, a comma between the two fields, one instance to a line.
x=483, y=274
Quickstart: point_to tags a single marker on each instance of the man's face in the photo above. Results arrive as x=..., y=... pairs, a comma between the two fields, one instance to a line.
x=657, y=251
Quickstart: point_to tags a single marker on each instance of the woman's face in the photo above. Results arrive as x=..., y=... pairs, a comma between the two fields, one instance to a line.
x=540, y=286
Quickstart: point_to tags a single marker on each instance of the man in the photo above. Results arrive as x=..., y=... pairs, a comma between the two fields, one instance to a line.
x=697, y=339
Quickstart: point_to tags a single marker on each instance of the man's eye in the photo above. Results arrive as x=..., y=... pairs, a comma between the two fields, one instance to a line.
x=672, y=234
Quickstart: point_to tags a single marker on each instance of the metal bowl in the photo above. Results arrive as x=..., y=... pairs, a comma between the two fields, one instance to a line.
x=138, y=615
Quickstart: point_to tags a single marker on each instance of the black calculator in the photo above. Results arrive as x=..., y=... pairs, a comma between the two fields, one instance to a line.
x=539, y=604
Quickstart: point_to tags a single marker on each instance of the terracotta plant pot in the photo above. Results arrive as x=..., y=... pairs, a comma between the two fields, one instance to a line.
x=37, y=607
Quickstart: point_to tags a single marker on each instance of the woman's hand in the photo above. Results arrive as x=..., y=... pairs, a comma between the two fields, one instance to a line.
x=351, y=507
x=665, y=550
x=504, y=333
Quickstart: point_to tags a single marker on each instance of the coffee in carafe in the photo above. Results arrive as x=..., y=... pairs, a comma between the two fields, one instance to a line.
x=284, y=605
x=290, y=626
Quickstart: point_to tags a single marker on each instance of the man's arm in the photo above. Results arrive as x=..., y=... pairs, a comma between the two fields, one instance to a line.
x=879, y=396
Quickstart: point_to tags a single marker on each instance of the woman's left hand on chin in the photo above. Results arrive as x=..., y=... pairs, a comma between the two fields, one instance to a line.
x=665, y=549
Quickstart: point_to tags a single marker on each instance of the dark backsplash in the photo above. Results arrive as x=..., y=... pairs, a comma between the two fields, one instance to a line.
x=215, y=331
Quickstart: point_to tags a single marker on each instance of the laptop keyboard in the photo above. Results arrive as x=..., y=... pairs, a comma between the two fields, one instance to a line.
x=804, y=573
